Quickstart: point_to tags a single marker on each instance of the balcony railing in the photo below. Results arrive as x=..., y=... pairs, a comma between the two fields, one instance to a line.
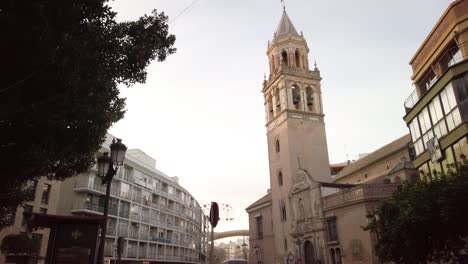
x=88, y=206
x=448, y=59
x=359, y=193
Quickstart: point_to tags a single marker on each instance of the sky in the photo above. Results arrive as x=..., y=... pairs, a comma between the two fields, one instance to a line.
x=200, y=113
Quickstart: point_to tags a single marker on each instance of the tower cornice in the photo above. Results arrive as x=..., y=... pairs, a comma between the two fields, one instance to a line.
x=287, y=40
x=289, y=114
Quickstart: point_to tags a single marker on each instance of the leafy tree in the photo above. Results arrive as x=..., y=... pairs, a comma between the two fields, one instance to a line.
x=426, y=221
x=20, y=244
x=59, y=91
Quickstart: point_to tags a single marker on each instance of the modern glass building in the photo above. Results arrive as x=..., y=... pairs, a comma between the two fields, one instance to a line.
x=437, y=110
x=159, y=219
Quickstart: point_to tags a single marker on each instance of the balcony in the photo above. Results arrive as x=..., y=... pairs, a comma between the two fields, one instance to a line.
x=87, y=185
x=96, y=187
x=448, y=59
x=360, y=193
x=94, y=208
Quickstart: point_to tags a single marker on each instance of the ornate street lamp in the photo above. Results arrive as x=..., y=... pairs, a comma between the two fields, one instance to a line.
x=107, y=168
x=244, y=249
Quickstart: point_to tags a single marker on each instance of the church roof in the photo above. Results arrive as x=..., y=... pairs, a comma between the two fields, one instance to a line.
x=375, y=156
x=265, y=199
x=285, y=26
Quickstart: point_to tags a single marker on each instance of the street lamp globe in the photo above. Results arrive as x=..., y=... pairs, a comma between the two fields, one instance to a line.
x=118, y=150
x=103, y=164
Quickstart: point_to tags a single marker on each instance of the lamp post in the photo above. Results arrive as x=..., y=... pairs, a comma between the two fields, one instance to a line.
x=244, y=249
x=107, y=168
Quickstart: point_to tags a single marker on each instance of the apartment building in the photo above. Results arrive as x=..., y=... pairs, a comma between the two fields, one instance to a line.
x=437, y=109
x=159, y=219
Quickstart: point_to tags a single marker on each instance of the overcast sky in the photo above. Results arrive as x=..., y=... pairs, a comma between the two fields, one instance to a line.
x=200, y=114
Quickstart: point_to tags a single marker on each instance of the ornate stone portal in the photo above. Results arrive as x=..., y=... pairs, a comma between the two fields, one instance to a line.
x=307, y=222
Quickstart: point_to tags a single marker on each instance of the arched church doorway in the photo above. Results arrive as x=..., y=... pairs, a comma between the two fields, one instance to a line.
x=309, y=256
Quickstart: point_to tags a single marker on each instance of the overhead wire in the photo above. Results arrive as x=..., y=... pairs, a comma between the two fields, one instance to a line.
x=183, y=11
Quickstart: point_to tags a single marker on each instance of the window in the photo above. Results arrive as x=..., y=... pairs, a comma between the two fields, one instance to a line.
x=437, y=115
x=283, y=211
x=332, y=255
x=34, y=187
x=459, y=149
x=284, y=58
x=448, y=98
x=43, y=210
x=310, y=98
x=296, y=97
x=298, y=59
x=26, y=209
x=37, y=237
x=335, y=255
x=45, y=193
x=331, y=229
x=259, y=225
x=425, y=122
x=280, y=179
x=285, y=241
x=277, y=146
x=124, y=209
x=128, y=173
x=125, y=190
x=278, y=101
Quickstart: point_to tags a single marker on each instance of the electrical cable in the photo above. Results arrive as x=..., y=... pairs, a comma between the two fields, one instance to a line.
x=183, y=11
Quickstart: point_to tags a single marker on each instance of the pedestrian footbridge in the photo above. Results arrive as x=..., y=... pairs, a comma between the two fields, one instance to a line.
x=233, y=233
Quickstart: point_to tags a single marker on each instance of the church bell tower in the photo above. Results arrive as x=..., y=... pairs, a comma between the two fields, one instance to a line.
x=297, y=145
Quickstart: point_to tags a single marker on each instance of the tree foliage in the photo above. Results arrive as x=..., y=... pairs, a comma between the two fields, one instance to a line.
x=426, y=221
x=59, y=94
x=20, y=244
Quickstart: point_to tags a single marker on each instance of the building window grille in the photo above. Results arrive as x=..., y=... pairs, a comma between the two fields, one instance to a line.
x=280, y=178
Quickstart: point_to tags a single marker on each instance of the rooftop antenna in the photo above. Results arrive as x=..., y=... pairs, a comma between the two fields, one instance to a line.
x=284, y=6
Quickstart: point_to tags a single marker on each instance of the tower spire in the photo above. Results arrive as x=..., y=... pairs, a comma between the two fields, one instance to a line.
x=285, y=26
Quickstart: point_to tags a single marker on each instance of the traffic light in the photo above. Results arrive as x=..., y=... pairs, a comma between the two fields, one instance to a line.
x=214, y=214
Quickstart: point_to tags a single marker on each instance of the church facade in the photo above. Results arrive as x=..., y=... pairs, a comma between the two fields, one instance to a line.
x=309, y=216
x=297, y=150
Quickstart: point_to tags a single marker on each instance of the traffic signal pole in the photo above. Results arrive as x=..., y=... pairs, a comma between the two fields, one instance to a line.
x=212, y=245
x=214, y=218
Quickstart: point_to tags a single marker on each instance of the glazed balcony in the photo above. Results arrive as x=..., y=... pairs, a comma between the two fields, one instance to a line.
x=451, y=57
x=360, y=193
